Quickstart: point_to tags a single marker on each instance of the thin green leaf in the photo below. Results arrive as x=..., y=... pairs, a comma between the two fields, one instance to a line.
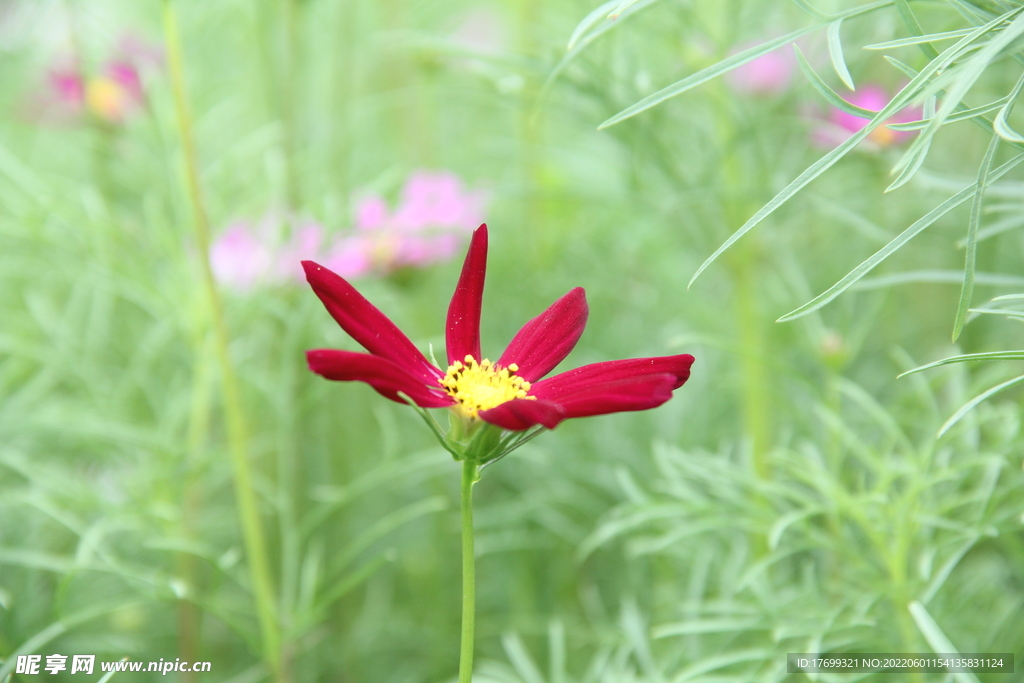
x=980, y=121
x=622, y=7
x=967, y=407
x=966, y=76
x=1000, y=311
x=897, y=242
x=908, y=71
x=110, y=674
x=940, y=578
x=959, y=116
x=830, y=95
x=387, y=524
x=972, y=237
x=907, y=173
x=912, y=24
x=1000, y=123
x=703, y=76
x=968, y=357
x=928, y=112
x=935, y=276
x=583, y=41
x=590, y=21
x=58, y=628
x=835, y=51
x=520, y=659
x=813, y=11
x=351, y=580
x=1009, y=297
x=936, y=638
x=824, y=163
x=917, y=40
x=996, y=228
x=725, y=65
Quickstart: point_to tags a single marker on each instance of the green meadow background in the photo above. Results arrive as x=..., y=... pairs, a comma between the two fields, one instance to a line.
x=794, y=496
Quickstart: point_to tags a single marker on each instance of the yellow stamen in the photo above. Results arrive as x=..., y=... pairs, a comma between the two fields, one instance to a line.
x=482, y=386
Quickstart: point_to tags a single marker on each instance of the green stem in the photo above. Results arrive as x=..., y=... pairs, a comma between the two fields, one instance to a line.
x=248, y=510
x=469, y=477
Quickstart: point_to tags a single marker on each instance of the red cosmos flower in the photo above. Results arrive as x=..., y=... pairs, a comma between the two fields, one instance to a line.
x=506, y=393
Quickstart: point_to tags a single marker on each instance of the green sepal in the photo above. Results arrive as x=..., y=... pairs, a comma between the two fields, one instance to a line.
x=473, y=440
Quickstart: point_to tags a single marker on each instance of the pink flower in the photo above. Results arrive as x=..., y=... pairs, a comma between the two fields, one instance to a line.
x=769, y=74
x=841, y=124
x=112, y=93
x=239, y=259
x=435, y=216
x=247, y=255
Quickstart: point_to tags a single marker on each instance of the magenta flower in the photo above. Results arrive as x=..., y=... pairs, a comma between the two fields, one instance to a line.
x=435, y=215
x=842, y=124
x=769, y=74
x=509, y=393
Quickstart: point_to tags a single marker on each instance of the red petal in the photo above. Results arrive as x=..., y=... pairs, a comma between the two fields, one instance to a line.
x=366, y=324
x=614, y=386
x=636, y=393
x=523, y=413
x=543, y=342
x=462, y=333
x=383, y=375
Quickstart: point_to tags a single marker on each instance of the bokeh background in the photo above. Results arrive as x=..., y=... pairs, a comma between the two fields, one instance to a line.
x=794, y=496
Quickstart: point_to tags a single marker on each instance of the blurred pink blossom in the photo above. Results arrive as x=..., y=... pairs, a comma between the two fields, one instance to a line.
x=432, y=220
x=769, y=74
x=239, y=259
x=840, y=124
x=111, y=93
x=250, y=254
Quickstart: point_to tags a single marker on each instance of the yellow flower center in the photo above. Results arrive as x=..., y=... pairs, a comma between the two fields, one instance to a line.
x=883, y=136
x=106, y=98
x=482, y=386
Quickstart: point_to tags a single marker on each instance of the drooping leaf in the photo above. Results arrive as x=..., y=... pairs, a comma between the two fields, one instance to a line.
x=835, y=51
x=868, y=264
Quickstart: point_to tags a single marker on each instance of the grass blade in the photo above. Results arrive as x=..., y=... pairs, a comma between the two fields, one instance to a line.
x=917, y=40
x=725, y=65
x=704, y=75
x=585, y=39
x=971, y=71
x=911, y=170
x=835, y=51
x=936, y=638
x=912, y=24
x=830, y=95
x=961, y=115
x=589, y=22
x=968, y=357
x=824, y=163
x=972, y=237
x=897, y=242
x=1000, y=124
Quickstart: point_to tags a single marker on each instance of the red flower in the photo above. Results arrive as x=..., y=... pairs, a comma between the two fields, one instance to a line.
x=506, y=393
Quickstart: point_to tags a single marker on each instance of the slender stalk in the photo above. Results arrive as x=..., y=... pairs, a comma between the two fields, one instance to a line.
x=469, y=476
x=248, y=510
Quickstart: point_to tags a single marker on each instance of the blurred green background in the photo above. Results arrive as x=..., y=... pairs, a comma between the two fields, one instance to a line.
x=794, y=496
